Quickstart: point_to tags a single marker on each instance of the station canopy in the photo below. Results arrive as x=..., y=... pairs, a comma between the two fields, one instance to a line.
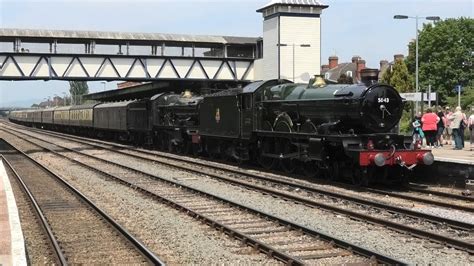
x=147, y=90
x=72, y=36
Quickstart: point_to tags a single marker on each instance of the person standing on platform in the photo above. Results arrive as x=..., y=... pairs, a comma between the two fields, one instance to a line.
x=441, y=127
x=456, y=118
x=462, y=127
x=417, y=134
x=470, y=124
x=429, y=125
x=448, y=132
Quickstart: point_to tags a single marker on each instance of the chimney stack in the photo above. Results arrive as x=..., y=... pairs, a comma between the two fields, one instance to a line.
x=324, y=68
x=383, y=64
x=355, y=58
x=398, y=57
x=360, y=67
x=333, y=61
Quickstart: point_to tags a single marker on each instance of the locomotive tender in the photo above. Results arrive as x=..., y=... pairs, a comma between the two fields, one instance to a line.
x=335, y=131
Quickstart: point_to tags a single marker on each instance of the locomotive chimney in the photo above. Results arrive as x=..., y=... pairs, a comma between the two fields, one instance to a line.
x=333, y=61
x=369, y=76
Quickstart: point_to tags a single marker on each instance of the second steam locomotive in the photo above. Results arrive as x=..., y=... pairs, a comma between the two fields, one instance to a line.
x=334, y=131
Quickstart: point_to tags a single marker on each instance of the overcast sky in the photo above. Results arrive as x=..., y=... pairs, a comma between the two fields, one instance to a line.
x=359, y=27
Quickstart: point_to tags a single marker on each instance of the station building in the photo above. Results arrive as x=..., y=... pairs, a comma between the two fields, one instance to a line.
x=291, y=40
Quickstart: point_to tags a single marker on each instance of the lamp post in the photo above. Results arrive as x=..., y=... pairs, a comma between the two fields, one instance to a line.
x=432, y=18
x=293, y=45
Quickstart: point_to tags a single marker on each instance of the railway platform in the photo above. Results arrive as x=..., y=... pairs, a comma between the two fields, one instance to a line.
x=12, y=246
x=447, y=154
x=451, y=167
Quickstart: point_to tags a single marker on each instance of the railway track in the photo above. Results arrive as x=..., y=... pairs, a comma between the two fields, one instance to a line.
x=463, y=244
x=79, y=231
x=446, y=195
x=447, y=200
x=281, y=239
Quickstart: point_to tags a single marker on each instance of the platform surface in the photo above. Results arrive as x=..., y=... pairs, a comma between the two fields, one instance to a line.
x=12, y=246
x=448, y=154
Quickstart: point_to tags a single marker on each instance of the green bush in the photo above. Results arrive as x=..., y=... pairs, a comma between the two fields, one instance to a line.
x=405, y=123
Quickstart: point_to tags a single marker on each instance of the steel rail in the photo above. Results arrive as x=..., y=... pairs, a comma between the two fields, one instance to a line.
x=148, y=254
x=334, y=195
x=442, y=194
x=240, y=172
x=456, y=243
x=252, y=242
x=61, y=258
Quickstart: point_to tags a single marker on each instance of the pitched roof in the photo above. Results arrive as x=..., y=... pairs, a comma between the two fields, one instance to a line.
x=336, y=72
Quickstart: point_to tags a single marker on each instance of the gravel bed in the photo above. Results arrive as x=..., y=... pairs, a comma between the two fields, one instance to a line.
x=82, y=234
x=373, y=237
x=451, y=214
x=407, y=248
x=392, y=200
x=174, y=236
x=140, y=164
x=367, y=195
x=450, y=190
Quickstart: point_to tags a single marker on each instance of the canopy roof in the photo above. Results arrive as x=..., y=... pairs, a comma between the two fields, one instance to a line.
x=311, y=3
x=74, y=35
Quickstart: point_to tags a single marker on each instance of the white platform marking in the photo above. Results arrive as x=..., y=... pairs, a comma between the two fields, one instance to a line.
x=18, y=243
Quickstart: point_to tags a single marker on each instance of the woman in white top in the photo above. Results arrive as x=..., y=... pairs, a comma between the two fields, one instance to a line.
x=456, y=124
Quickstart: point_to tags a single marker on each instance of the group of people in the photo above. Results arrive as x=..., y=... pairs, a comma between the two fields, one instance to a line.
x=437, y=128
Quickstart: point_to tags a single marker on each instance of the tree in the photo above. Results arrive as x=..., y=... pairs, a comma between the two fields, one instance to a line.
x=344, y=79
x=77, y=89
x=445, y=57
x=397, y=76
x=467, y=99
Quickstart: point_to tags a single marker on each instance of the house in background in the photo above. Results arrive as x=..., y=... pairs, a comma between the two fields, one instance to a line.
x=349, y=72
x=336, y=72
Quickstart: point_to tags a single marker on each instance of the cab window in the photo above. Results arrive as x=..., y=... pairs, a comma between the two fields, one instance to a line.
x=247, y=101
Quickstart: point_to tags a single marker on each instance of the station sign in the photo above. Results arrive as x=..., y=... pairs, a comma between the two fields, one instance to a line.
x=458, y=88
x=416, y=96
